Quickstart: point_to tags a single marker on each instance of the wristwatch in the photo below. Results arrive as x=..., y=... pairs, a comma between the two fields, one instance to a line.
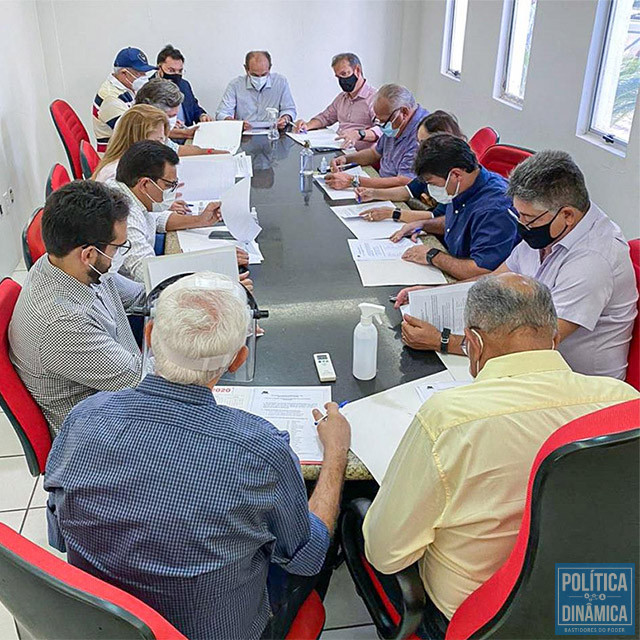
x=355, y=181
x=396, y=214
x=444, y=340
x=431, y=254
x=362, y=133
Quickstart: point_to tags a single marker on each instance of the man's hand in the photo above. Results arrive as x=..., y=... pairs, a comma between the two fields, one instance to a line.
x=182, y=133
x=402, y=296
x=245, y=125
x=243, y=257
x=205, y=117
x=336, y=163
x=350, y=137
x=246, y=282
x=419, y=334
x=282, y=122
x=339, y=180
x=210, y=215
x=417, y=254
x=334, y=430
x=180, y=206
x=408, y=229
x=366, y=194
x=300, y=126
x=377, y=214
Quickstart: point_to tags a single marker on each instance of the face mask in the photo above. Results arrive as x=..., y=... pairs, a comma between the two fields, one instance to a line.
x=174, y=77
x=258, y=82
x=168, y=198
x=116, y=262
x=172, y=122
x=348, y=84
x=539, y=237
x=138, y=83
x=440, y=194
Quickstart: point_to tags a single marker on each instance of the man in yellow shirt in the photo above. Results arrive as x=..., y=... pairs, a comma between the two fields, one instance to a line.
x=453, y=496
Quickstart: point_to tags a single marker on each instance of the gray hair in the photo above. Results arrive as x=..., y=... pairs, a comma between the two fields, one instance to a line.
x=549, y=180
x=396, y=95
x=196, y=323
x=351, y=58
x=253, y=54
x=160, y=93
x=495, y=304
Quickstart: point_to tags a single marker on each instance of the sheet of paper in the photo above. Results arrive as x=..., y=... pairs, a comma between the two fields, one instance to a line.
x=379, y=422
x=378, y=249
x=340, y=194
x=223, y=135
x=354, y=210
x=259, y=124
x=206, y=177
x=366, y=230
x=427, y=389
x=457, y=366
x=199, y=240
x=244, y=165
x=318, y=138
x=236, y=212
x=378, y=273
x=442, y=307
x=256, y=132
x=287, y=408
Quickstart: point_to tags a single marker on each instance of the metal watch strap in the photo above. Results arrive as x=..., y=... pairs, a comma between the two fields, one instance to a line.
x=396, y=214
x=444, y=340
x=355, y=181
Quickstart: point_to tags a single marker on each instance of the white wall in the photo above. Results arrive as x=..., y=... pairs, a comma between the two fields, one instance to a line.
x=561, y=38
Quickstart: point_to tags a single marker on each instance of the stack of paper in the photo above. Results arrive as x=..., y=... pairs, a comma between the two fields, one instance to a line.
x=318, y=138
x=340, y=194
x=287, y=408
x=198, y=240
x=442, y=307
x=364, y=229
x=223, y=135
x=206, y=177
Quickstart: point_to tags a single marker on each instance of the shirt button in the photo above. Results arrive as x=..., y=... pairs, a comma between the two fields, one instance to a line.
x=456, y=211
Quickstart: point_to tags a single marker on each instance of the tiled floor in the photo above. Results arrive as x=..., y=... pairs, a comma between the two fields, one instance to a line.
x=22, y=508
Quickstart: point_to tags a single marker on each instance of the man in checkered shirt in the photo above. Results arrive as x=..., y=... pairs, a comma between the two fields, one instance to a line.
x=198, y=509
x=69, y=335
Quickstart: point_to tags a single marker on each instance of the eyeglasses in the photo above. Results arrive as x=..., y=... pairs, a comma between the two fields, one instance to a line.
x=173, y=184
x=122, y=249
x=516, y=215
x=386, y=122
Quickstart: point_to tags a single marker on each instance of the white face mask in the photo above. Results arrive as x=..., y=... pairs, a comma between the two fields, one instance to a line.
x=172, y=122
x=138, y=83
x=440, y=194
x=258, y=82
x=168, y=198
x=116, y=262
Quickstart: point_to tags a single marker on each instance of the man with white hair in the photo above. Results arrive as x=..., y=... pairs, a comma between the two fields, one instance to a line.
x=400, y=115
x=198, y=509
x=453, y=496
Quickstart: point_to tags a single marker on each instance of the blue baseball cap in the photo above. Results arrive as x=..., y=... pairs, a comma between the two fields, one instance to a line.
x=133, y=58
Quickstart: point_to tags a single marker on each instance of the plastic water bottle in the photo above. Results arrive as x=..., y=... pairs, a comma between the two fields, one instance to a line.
x=324, y=165
x=365, y=342
x=306, y=160
x=272, y=115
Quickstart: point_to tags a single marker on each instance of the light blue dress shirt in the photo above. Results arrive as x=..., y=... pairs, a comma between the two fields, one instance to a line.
x=242, y=102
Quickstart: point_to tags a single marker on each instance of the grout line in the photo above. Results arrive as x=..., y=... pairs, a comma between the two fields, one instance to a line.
x=12, y=510
x=33, y=492
x=13, y=455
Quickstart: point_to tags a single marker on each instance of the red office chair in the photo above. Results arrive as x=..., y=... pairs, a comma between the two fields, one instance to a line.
x=59, y=176
x=482, y=139
x=52, y=599
x=71, y=131
x=89, y=159
x=581, y=506
x=633, y=366
x=32, y=243
x=503, y=158
x=20, y=408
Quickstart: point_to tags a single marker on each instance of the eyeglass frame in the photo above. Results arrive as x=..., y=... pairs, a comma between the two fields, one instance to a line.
x=173, y=184
x=386, y=122
x=516, y=216
x=123, y=248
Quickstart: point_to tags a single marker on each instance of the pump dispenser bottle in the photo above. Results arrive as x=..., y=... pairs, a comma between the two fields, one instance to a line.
x=365, y=341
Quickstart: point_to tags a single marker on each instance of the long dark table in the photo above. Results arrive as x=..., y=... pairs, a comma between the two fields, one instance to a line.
x=311, y=287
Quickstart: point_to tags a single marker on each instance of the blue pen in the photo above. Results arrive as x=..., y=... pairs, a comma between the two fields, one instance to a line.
x=342, y=404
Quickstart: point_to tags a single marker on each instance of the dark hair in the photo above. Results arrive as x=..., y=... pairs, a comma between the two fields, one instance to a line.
x=251, y=54
x=169, y=52
x=351, y=58
x=80, y=213
x=144, y=159
x=442, y=122
x=440, y=153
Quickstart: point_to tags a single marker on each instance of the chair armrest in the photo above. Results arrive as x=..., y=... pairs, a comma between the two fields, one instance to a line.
x=391, y=624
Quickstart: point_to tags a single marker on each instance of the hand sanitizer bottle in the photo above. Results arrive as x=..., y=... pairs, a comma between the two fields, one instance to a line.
x=365, y=342
x=306, y=160
x=324, y=165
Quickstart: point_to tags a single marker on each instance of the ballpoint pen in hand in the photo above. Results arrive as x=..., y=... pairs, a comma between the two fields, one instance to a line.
x=342, y=404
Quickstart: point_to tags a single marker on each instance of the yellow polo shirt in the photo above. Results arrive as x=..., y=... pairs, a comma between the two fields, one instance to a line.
x=454, y=493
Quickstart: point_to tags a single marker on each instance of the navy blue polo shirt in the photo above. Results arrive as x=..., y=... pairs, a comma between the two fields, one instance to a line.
x=477, y=224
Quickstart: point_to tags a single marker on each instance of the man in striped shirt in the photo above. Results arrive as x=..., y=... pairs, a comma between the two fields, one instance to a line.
x=116, y=93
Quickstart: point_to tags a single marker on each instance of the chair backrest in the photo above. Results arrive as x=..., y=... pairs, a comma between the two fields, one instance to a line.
x=50, y=598
x=482, y=139
x=58, y=177
x=503, y=158
x=581, y=507
x=16, y=401
x=71, y=131
x=633, y=366
x=89, y=159
x=32, y=243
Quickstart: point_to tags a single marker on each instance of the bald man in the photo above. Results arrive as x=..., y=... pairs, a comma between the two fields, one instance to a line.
x=453, y=496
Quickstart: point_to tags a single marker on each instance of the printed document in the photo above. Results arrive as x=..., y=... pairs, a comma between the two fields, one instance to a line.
x=442, y=307
x=287, y=408
x=318, y=138
x=340, y=194
x=244, y=165
x=378, y=249
x=199, y=240
x=354, y=210
x=206, y=177
x=427, y=389
x=237, y=214
x=223, y=135
x=378, y=273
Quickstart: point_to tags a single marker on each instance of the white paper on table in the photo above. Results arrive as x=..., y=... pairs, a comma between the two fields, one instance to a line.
x=260, y=124
x=236, y=212
x=442, y=307
x=223, y=135
x=354, y=210
x=378, y=249
x=244, y=165
x=206, y=177
x=427, y=389
x=378, y=273
x=198, y=240
x=340, y=194
x=253, y=249
x=379, y=422
x=220, y=259
x=318, y=138
x=287, y=408
x=256, y=132
x=457, y=366
x=367, y=230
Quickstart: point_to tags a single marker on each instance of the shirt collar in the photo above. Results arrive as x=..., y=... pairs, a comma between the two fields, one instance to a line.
x=74, y=289
x=153, y=385
x=581, y=229
x=366, y=91
x=523, y=363
x=133, y=197
x=248, y=84
x=116, y=83
x=479, y=182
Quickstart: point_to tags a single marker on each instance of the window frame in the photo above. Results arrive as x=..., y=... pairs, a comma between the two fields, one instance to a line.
x=447, y=41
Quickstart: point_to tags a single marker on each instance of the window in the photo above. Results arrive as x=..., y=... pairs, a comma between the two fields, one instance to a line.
x=618, y=73
x=454, y=27
x=513, y=58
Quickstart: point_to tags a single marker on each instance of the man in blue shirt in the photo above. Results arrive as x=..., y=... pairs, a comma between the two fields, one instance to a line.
x=476, y=227
x=187, y=504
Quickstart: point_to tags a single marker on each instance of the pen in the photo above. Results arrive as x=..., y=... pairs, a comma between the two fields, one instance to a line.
x=342, y=404
x=418, y=230
x=351, y=165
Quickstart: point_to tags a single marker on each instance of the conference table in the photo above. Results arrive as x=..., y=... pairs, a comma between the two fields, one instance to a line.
x=310, y=285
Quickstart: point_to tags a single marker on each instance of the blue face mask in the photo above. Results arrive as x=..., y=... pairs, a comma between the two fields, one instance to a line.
x=387, y=128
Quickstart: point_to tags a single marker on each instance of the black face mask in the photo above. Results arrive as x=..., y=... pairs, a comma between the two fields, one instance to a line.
x=539, y=237
x=348, y=84
x=174, y=77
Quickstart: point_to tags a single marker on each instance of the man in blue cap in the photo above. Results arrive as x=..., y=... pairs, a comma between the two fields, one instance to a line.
x=116, y=93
